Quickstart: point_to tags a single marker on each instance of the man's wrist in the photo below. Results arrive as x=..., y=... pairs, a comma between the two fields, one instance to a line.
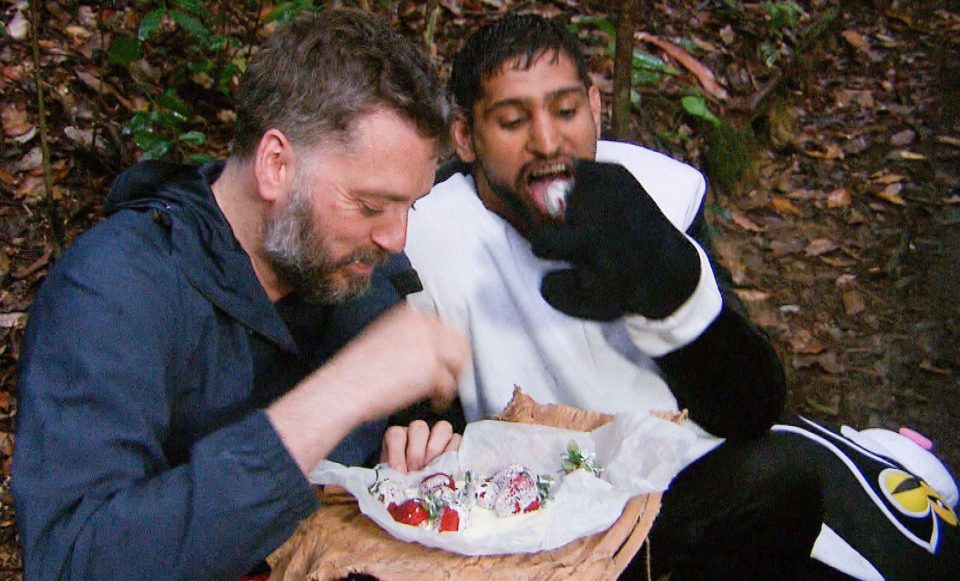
x=314, y=417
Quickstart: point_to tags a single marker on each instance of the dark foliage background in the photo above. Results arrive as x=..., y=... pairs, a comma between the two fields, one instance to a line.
x=830, y=134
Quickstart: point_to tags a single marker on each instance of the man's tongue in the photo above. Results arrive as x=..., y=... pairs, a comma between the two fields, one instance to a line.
x=549, y=194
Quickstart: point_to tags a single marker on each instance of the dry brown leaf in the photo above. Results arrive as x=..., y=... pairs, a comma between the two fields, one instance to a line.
x=77, y=34
x=891, y=194
x=882, y=177
x=752, y=295
x=803, y=342
x=845, y=280
x=16, y=120
x=35, y=266
x=784, y=206
x=856, y=40
x=678, y=53
x=838, y=198
x=30, y=187
x=853, y=303
x=727, y=35
x=804, y=194
x=740, y=219
x=905, y=137
x=948, y=140
x=901, y=17
x=927, y=365
x=833, y=151
x=13, y=320
x=911, y=155
x=828, y=362
x=832, y=408
x=19, y=27
x=7, y=178
x=859, y=42
x=821, y=246
x=837, y=261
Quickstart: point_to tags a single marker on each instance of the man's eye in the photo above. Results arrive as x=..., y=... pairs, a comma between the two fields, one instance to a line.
x=566, y=112
x=512, y=123
x=368, y=210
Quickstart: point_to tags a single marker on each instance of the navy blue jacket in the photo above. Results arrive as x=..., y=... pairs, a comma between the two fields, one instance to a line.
x=142, y=449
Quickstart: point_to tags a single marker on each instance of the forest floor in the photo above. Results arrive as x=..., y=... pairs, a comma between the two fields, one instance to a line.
x=842, y=234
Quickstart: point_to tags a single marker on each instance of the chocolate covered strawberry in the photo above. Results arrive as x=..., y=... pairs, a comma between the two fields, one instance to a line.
x=440, y=488
x=505, y=475
x=387, y=491
x=521, y=494
x=485, y=493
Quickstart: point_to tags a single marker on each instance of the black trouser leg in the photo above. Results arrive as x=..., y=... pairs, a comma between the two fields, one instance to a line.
x=744, y=511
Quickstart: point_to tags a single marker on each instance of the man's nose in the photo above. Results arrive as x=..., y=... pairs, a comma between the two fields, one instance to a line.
x=544, y=136
x=391, y=235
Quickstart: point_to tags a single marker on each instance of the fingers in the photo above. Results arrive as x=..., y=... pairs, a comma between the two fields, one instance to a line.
x=453, y=444
x=418, y=434
x=394, y=450
x=410, y=448
x=440, y=436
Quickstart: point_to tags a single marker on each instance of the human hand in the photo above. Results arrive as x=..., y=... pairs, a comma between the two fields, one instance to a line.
x=403, y=357
x=410, y=448
x=625, y=255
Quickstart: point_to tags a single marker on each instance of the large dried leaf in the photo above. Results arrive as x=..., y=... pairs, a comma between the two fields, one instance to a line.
x=784, y=207
x=821, y=246
x=839, y=198
x=891, y=193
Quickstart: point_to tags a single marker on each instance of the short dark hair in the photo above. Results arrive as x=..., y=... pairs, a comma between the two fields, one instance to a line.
x=523, y=36
x=319, y=73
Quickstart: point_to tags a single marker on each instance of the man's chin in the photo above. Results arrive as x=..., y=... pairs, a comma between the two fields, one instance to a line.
x=335, y=289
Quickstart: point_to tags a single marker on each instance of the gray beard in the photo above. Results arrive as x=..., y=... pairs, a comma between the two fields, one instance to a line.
x=296, y=253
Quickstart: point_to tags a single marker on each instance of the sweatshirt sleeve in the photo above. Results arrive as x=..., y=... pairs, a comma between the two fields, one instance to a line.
x=97, y=496
x=729, y=376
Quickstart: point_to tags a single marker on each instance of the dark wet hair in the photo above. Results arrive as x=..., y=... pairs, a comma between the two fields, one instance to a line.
x=523, y=36
x=318, y=74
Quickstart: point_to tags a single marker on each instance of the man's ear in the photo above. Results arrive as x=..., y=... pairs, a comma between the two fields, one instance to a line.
x=593, y=93
x=462, y=137
x=274, y=165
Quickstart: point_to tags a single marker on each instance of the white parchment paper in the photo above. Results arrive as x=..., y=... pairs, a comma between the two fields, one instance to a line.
x=639, y=453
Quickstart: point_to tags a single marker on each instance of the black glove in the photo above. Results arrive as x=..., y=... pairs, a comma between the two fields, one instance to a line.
x=625, y=256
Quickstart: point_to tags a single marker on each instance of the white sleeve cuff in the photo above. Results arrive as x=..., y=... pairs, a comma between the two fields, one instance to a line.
x=657, y=337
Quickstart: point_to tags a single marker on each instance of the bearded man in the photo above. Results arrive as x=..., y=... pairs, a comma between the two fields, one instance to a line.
x=581, y=270
x=194, y=355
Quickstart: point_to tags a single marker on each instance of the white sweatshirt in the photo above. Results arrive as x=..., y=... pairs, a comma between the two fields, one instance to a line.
x=480, y=275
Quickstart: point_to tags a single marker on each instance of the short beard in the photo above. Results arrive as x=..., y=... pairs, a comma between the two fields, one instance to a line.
x=296, y=252
x=510, y=197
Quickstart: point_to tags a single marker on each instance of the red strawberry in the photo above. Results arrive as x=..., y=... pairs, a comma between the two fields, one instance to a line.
x=449, y=520
x=453, y=517
x=409, y=512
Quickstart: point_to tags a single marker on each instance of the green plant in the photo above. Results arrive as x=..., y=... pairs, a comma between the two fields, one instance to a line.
x=781, y=16
x=157, y=131
x=696, y=106
x=191, y=45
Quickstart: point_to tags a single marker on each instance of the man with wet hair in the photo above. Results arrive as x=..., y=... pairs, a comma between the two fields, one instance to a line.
x=582, y=272
x=194, y=355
